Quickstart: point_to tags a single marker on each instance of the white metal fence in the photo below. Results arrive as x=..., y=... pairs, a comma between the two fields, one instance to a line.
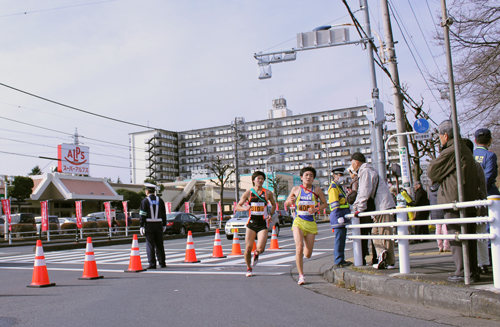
x=493, y=218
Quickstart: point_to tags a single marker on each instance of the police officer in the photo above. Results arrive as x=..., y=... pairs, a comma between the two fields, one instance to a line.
x=153, y=224
x=338, y=209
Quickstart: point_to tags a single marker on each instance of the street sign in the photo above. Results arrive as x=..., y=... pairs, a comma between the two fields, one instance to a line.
x=405, y=166
x=421, y=125
x=423, y=136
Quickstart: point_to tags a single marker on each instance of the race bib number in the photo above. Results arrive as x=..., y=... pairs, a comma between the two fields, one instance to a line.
x=303, y=207
x=258, y=208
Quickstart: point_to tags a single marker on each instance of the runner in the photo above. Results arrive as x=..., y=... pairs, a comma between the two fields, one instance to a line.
x=305, y=198
x=260, y=216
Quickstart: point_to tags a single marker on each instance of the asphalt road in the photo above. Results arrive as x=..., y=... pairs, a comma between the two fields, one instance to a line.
x=214, y=292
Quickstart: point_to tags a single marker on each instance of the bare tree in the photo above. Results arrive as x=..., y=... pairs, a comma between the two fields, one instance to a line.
x=475, y=42
x=279, y=185
x=222, y=171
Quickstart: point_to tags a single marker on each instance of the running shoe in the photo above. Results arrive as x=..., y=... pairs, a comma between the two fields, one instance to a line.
x=249, y=272
x=255, y=258
x=301, y=281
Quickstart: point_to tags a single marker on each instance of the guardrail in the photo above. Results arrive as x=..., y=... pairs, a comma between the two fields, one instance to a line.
x=493, y=218
x=76, y=234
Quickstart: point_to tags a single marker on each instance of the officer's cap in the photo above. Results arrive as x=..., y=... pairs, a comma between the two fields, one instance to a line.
x=338, y=171
x=483, y=132
x=150, y=186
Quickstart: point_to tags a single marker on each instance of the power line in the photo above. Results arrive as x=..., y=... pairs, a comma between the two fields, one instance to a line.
x=395, y=13
x=51, y=146
x=56, y=159
x=70, y=134
x=76, y=109
x=57, y=8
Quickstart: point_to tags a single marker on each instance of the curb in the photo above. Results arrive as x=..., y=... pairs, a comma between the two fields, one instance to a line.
x=466, y=301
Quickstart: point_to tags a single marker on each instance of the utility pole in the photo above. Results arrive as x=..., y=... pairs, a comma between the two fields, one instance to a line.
x=398, y=99
x=377, y=121
x=456, y=135
x=241, y=121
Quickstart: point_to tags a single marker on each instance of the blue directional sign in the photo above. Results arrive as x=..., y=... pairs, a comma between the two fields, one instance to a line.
x=421, y=126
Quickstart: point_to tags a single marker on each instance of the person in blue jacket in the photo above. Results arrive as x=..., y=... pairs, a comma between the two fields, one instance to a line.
x=487, y=159
x=338, y=209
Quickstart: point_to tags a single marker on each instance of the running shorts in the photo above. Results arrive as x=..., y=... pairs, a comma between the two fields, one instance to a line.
x=307, y=227
x=257, y=224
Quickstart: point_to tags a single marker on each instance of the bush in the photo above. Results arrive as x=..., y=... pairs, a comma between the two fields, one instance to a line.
x=67, y=227
x=136, y=222
x=21, y=228
x=102, y=224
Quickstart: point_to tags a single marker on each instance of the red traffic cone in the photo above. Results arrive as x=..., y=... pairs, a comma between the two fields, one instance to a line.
x=135, y=264
x=236, y=249
x=40, y=274
x=217, y=252
x=190, y=252
x=90, y=267
x=274, y=240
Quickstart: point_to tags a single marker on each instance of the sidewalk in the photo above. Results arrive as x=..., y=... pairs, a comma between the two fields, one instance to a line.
x=426, y=285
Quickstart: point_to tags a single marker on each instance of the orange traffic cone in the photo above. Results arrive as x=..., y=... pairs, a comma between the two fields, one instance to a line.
x=274, y=240
x=254, y=246
x=190, y=253
x=135, y=264
x=40, y=274
x=90, y=267
x=236, y=249
x=217, y=252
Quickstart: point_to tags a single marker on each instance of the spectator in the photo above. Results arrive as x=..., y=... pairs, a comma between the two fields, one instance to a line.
x=483, y=259
x=351, y=198
x=374, y=194
x=442, y=170
x=488, y=161
x=443, y=245
x=421, y=199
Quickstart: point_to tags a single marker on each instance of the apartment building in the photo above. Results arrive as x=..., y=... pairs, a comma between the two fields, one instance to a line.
x=323, y=140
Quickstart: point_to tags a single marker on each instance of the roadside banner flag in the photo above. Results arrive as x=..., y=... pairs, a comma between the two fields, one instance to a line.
x=234, y=207
x=78, y=207
x=205, y=209
x=169, y=207
x=125, y=211
x=107, y=209
x=45, y=215
x=186, y=207
x=6, y=211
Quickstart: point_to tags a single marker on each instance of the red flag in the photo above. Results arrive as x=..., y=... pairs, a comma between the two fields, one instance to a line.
x=78, y=206
x=186, y=207
x=125, y=210
x=205, y=210
x=6, y=211
x=277, y=206
x=45, y=215
x=107, y=208
x=169, y=207
x=234, y=207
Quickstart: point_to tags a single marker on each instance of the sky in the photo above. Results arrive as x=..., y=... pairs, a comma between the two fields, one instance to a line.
x=184, y=64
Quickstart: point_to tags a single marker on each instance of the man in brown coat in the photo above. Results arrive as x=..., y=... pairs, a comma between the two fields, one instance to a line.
x=442, y=170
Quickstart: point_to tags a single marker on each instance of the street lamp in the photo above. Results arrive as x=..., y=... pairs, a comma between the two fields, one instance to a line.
x=276, y=154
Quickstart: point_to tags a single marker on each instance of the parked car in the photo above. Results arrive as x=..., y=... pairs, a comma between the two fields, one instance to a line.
x=180, y=223
x=54, y=224
x=66, y=220
x=205, y=219
x=239, y=221
x=284, y=217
